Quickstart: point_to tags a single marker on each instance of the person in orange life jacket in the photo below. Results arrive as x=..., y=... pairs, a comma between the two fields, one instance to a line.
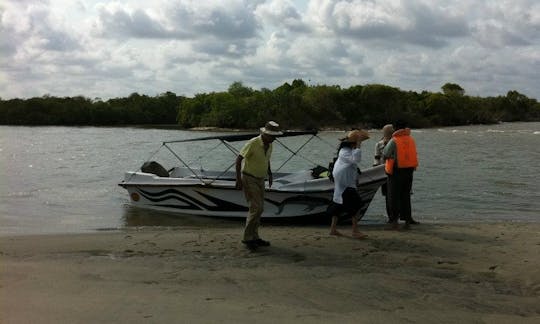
x=345, y=175
x=401, y=162
x=379, y=159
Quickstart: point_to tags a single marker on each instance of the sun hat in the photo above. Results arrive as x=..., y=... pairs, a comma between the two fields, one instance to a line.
x=271, y=128
x=356, y=136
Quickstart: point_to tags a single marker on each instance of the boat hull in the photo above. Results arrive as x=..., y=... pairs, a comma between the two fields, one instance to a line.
x=219, y=198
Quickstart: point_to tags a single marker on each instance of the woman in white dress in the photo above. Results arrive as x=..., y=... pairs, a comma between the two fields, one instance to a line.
x=345, y=174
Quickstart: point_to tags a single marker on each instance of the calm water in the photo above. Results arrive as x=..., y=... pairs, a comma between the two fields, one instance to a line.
x=64, y=179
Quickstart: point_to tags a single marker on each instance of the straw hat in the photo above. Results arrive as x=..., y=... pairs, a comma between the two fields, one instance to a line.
x=357, y=135
x=271, y=128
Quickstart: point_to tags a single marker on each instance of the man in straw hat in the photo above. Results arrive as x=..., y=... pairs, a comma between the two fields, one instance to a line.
x=252, y=167
x=345, y=173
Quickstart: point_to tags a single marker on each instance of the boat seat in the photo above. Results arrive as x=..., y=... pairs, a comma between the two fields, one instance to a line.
x=154, y=168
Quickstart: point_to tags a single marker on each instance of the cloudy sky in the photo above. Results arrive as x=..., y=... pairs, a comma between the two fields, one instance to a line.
x=114, y=48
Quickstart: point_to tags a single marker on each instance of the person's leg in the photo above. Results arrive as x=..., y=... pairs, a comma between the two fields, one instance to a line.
x=392, y=196
x=333, y=227
x=334, y=210
x=405, y=195
x=384, y=189
x=355, y=232
x=352, y=204
x=354, y=221
x=260, y=209
x=254, y=193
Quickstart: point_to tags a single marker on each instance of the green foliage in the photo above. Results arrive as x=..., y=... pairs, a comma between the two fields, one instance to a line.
x=237, y=89
x=47, y=110
x=296, y=105
x=453, y=89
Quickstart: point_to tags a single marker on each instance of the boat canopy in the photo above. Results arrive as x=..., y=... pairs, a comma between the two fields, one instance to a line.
x=226, y=139
x=241, y=137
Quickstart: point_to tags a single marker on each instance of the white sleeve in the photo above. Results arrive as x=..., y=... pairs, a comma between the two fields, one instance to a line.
x=378, y=154
x=356, y=155
x=350, y=157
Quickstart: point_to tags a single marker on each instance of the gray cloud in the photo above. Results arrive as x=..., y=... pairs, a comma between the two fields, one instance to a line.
x=283, y=15
x=8, y=42
x=178, y=20
x=404, y=22
x=37, y=26
x=234, y=22
x=120, y=23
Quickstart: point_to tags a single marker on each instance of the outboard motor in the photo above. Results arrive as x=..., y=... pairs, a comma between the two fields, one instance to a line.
x=154, y=168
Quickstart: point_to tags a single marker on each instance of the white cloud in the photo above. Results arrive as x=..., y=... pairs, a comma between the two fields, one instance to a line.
x=110, y=49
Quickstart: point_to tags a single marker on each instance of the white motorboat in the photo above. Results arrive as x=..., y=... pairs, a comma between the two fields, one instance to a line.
x=187, y=190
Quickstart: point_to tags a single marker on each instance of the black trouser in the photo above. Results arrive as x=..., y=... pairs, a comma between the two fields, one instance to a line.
x=350, y=206
x=399, y=194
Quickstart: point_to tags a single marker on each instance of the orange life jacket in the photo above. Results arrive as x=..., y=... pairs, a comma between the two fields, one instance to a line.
x=389, y=166
x=405, y=152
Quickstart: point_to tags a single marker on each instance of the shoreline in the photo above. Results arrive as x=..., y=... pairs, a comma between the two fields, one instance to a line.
x=247, y=130
x=370, y=224
x=470, y=272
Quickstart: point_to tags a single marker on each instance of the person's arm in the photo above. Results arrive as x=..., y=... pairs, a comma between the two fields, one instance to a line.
x=352, y=156
x=389, y=151
x=270, y=177
x=239, y=159
x=378, y=154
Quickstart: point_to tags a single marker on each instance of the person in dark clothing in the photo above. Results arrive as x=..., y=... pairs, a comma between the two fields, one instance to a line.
x=387, y=130
x=400, y=164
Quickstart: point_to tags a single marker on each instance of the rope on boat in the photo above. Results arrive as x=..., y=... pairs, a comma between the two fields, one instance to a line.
x=184, y=163
x=200, y=157
x=324, y=141
x=294, y=153
x=230, y=147
x=148, y=159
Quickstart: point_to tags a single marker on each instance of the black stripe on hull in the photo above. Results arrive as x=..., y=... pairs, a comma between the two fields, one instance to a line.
x=191, y=202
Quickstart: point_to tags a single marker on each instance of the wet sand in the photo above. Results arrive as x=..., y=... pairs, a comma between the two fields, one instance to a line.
x=469, y=273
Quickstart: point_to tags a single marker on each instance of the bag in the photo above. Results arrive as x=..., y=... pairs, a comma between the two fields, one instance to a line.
x=319, y=172
x=331, y=169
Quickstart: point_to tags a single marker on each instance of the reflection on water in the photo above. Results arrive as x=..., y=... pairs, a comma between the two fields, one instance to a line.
x=138, y=217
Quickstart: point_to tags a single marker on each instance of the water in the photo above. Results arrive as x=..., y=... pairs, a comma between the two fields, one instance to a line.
x=64, y=179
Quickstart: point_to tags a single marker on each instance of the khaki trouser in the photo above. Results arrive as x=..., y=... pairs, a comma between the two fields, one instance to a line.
x=254, y=191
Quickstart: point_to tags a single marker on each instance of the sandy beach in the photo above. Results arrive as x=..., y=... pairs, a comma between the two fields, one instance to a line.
x=434, y=273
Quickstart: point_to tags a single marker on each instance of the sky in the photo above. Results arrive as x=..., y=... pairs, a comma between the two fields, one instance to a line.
x=107, y=49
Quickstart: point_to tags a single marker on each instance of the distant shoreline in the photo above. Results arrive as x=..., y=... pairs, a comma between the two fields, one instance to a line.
x=296, y=105
x=249, y=130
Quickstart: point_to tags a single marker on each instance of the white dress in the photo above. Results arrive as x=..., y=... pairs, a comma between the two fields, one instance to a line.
x=345, y=171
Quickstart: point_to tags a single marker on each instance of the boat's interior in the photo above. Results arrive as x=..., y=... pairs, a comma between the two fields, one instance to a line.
x=283, y=178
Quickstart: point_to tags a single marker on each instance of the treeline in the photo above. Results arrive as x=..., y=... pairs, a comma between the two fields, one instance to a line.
x=298, y=105
x=294, y=105
x=47, y=110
